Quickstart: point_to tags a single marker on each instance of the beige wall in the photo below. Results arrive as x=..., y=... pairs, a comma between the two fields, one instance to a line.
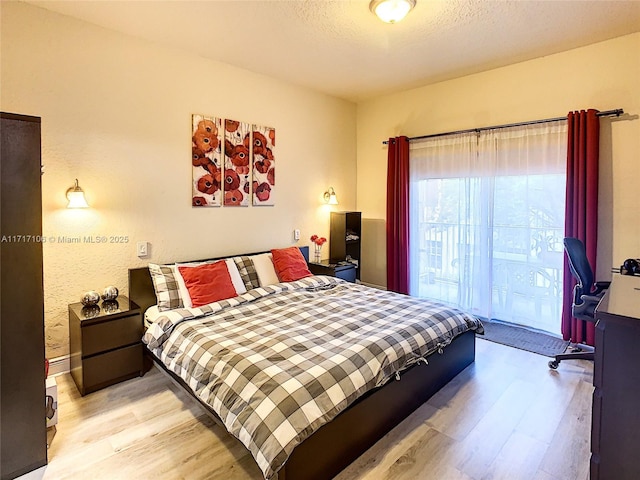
x=602, y=76
x=116, y=114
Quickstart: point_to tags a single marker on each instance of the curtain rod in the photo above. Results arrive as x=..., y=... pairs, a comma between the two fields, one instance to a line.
x=608, y=113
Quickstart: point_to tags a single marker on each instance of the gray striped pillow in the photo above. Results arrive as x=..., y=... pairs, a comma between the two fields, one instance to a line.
x=166, y=287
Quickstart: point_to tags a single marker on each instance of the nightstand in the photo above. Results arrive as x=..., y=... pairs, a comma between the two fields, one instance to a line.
x=324, y=267
x=105, y=343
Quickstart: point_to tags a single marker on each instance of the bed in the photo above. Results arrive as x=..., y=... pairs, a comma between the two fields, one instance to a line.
x=365, y=408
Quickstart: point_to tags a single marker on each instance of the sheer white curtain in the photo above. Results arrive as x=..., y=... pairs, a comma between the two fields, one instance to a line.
x=487, y=220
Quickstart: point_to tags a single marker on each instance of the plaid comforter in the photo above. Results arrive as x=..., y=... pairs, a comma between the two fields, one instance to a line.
x=278, y=362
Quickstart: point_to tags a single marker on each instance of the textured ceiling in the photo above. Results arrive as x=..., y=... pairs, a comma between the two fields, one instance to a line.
x=339, y=47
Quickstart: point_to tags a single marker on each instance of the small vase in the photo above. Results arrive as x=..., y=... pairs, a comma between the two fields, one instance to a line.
x=316, y=255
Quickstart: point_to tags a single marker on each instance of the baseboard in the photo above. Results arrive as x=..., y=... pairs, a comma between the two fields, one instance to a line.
x=59, y=365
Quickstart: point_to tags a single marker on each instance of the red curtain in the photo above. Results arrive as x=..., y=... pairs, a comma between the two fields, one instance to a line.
x=581, y=216
x=398, y=215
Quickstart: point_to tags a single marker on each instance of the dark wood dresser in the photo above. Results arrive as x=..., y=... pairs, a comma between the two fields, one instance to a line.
x=615, y=430
x=105, y=343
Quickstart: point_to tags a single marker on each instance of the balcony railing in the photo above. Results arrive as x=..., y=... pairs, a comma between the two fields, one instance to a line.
x=518, y=280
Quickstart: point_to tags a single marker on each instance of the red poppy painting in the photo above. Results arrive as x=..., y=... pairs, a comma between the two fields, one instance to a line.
x=263, y=144
x=237, y=138
x=206, y=141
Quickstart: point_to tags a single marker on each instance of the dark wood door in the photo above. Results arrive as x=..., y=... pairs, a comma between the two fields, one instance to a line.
x=22, y=416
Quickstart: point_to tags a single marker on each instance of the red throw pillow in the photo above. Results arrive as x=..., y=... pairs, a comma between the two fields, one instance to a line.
x=208, y=283
x=290, y=265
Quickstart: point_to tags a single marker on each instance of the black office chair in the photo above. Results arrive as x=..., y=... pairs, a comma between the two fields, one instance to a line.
x=586, y=295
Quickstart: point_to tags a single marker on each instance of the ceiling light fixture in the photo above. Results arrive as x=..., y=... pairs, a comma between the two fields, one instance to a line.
x=391, y=11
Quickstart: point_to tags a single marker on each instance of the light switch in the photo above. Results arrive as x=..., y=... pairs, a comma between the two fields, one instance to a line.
x=143, y=249
x=296, y=234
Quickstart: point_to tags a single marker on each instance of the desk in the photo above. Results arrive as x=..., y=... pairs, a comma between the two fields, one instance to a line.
x=615, y=427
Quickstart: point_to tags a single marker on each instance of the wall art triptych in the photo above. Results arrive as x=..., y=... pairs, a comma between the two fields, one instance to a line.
x=264, y=167
x=206, y=162
x=246, y=170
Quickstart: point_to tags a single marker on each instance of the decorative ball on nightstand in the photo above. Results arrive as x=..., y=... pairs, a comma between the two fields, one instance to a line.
x=90, y=298
x=111, y=306
x=90, y=311
x=110, y=293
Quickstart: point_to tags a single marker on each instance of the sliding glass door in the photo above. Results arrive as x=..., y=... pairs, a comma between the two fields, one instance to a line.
x=487, y=223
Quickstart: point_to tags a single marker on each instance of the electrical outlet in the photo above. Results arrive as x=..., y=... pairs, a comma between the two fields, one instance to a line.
x=143, y=249
x=296, y=234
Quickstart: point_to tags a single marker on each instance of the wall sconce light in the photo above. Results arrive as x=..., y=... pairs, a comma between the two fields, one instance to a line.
x=391, y=11
x=330, y=197
x=75, y=195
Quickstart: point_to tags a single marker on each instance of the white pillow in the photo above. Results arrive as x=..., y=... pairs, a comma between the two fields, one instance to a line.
x=263, y=264
x=232, y=268
x=150, y=315
x=182, y=287
x=236, y=279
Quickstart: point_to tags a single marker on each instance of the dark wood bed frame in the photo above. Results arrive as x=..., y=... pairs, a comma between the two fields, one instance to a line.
x=338, y=443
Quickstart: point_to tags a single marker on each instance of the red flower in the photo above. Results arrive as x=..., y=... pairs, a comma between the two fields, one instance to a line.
x=260, y=146
x=318, y=240
x=207, y=184
x=231, y=180
x=231, y=125
x=240, y=158
x=262, y=165
x=232, y=197
x=206, y=136
x=198, y=158
x=262, y=192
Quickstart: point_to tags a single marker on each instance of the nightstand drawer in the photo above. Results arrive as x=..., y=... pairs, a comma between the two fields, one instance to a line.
x=110, y=334
x=348, y=274
x=112, y=367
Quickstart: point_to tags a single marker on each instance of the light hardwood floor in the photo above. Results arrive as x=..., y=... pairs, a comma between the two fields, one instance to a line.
x=505, y=417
